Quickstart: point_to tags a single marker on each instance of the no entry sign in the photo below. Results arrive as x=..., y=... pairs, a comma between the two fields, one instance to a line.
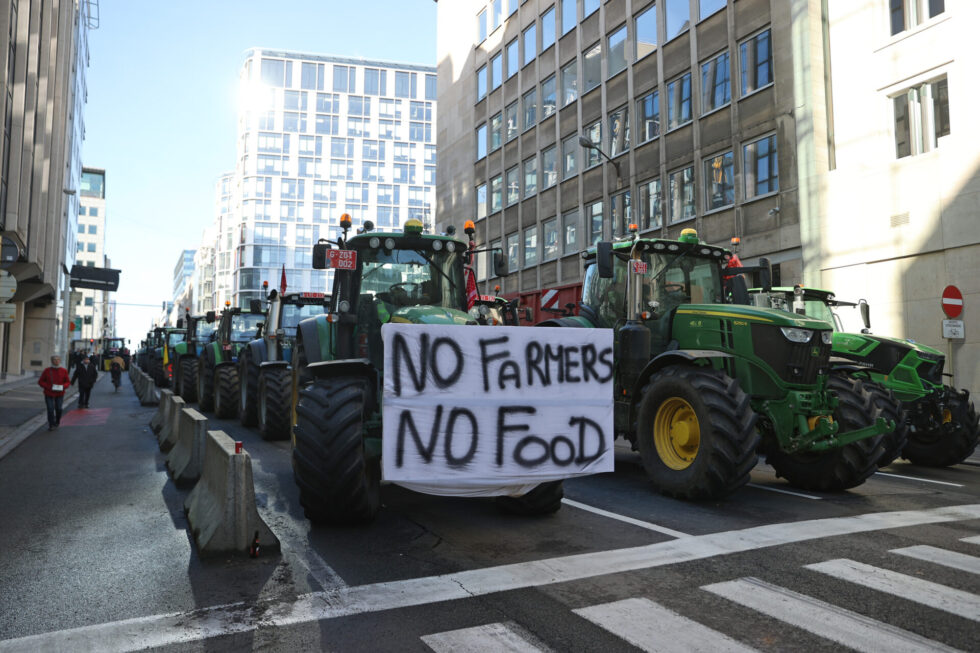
x=952, y=301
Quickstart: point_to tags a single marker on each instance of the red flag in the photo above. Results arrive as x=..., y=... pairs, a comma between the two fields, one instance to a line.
x=282, y=281
x=471, y=292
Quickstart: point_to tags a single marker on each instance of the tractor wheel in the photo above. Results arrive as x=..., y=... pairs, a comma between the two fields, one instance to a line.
x=226, y=392
x=337, y=483
x=275, y=403
x=205, y=384
x=248, y=392
x=844, y=467
x=950, y=443
x=544, y=499
x=188, y=379
x=154, y=371
x=891, y=409
x=696, y=433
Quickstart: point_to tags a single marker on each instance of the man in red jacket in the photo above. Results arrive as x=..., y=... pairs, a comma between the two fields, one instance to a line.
x=55, y=382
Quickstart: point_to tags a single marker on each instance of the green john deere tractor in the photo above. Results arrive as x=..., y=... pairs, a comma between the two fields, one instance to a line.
x=159, y=358
x=265, y=391
x=703, y=386
x=941, y=421
x=186, y=353
x=379, y=277
x=217, y=364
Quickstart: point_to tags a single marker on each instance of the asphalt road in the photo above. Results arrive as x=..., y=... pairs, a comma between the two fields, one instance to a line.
x=97, y=555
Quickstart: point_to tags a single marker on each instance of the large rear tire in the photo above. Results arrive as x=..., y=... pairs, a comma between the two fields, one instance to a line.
x=205, y=385
x=844, y=467
x=696, y=433
x=248, y=374
x=890, y=408
x=275, y=403
x=544, y=499
x=951, y=442
x=338, y=484
x=188, y=379
x=226, y=392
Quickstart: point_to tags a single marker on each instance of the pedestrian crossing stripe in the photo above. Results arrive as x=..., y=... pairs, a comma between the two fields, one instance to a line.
x=951, y=559
x=491, y=638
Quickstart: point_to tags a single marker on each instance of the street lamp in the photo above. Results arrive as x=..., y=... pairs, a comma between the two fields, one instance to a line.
x=587, y=143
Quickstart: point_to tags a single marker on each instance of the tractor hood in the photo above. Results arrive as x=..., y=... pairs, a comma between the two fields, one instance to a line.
x=429, y=315
x=853, y=341
x=753, y=314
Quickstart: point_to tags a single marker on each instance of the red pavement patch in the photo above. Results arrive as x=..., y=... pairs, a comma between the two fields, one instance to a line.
x=86, y=417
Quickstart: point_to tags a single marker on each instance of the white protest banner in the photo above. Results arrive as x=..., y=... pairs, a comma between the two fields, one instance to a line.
x=483, y=411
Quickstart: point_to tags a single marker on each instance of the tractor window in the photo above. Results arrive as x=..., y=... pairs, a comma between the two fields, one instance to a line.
x=819, y=310
x=245, y=326
x=607, y=297
x=175, y=338
x=203, y=330
x=293, y=314
x=407, y=277
x=686, y=281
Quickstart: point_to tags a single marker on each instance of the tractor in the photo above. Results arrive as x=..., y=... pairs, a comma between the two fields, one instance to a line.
x=702, y=386
x=265, y=392
x=186, y=353
x=112, y=347
x=160, y=364
x=941, y=422
x=217, y=364
x=379, y=277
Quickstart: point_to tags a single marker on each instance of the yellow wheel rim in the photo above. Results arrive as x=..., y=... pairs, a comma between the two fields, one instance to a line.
x=947, y=416
x=676, y=433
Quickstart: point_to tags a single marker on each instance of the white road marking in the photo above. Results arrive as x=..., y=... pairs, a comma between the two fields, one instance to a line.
x=653, y=628
x=839, y=625
x=197, y=625
x=317, y=567
x=942, y=557
x=492, y=638
x=782, y=491
x=971, y=540
x=916, y=478
x=934, y=595
x=623, y=518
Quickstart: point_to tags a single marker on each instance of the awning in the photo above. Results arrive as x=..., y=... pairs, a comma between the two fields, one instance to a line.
x=83, y=276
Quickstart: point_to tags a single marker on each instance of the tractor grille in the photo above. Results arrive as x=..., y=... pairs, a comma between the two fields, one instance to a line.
x=931, y=368
x=793, y=362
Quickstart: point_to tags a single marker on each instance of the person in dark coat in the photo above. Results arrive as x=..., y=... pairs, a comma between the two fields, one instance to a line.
x=86, y=374
x=54, y=380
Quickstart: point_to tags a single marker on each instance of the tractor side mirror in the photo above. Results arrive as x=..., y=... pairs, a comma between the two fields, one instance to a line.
x=865, y=314
x=499, y=265
x=180, y=323
x=604, y=259
x=765, y=275
x=209, y=317
x=320, y=256
x=255, y=306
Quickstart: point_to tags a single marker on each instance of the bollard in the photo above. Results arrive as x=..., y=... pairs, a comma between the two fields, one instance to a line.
x=187, y=457
x=171, y=408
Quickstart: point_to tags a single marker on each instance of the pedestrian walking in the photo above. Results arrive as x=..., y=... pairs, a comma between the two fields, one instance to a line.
x=54, y=380
x=86, y=374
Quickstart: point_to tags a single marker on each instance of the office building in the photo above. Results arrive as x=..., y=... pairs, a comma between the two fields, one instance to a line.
x=91, y=310
x=182, y=273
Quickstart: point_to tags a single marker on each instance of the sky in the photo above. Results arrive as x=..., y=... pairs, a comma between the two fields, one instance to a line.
x=162, y=108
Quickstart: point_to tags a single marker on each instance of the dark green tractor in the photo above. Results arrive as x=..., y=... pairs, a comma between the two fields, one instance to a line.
x=703, y=386
x=186, y=354
x=379, y=277
x=265, y=391
x=161, y=365
x=941, y=422
x=217, y=364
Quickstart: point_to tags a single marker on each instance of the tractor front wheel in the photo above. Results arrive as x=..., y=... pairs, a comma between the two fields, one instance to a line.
x=890, y=408
x=275, y=403
x=205, y=385
x=188, y=379
x=248, y=373
x=844, y=467
x=951, y=442
x=696, y=433
x=544, y=499
x=337, y=482
x=226, y=392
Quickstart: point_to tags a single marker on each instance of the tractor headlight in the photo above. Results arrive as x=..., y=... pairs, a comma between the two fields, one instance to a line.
x=827, y=337
x=437, y=245
x=797, y=335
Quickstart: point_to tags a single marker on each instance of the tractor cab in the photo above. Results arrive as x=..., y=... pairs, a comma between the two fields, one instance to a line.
x=236, y=328
x=283, y=314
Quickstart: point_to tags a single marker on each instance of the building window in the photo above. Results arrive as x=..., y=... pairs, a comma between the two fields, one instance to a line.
x=481, y=141
x=548, y=29
x=589, y=7
x=530, y=246
x=617, y=51
x=511, y=6
x=481, y=26
x=495, y=127
x=569, y=224
x=496, y=14
x=372, y=81
x=549, y=240
x=510, y=118
x=431, y=87
x=719, y=176
x=90, y=247
x=593, y=214
x=592, y=68
x=594, y=133
x=530, y=43
x=648, y=113
x=646, y=32
x=708, y=7
x=906, y=14
x=496, y=194
x=481, y=201
x=569, y=151
x=513, y=186
x=94, y=210
x=548, y=98
x=921, y=118
x=81, y=228
x=549, y=167
x=569, y=15
x=513, y=58
x=327, y=103
x=619, y=131
x=716, y=87
x=344, y=79
x=530, y=176
x=358, y=105
x=405, y=84
x=569, y=83
x=681, y=202
x=679, y=101
x=496, y=71
x=513, y=251
x=621, y=211
x=756, y=62
x=760, y=167
x=481, y=83
x=530, y=109
x=650, y=208
x=89, y=301
x=678, y=17
x=272, y=71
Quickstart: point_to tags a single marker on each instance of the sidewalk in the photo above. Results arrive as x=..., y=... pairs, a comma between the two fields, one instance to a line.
x=22, y=410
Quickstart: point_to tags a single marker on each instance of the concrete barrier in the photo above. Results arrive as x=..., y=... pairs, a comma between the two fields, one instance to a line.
x=150, y=395
x=167, y=437
x=187, y=457
x=221, y=507
x=157, y=421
